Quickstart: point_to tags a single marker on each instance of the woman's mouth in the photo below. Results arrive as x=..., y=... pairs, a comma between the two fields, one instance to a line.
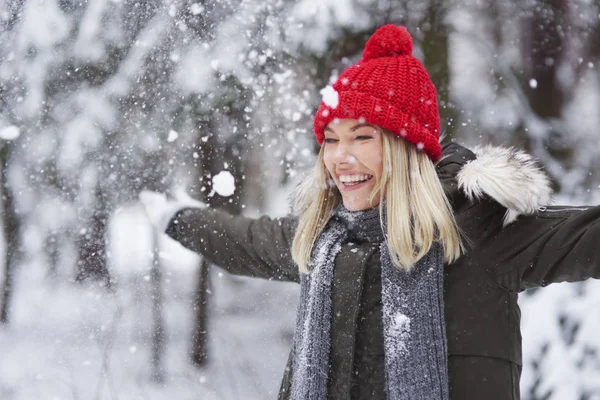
x=354, y=181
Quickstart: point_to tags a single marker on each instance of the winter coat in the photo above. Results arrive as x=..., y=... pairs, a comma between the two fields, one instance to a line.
x=504, y=256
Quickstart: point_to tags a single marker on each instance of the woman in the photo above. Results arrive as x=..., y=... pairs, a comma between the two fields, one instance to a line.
x=410, y=257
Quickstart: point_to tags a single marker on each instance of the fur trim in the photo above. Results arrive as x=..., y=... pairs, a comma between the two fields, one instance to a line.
x=510, y=177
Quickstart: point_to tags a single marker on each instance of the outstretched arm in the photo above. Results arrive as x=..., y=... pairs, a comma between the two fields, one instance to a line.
x=243, y=246
x=556, y=244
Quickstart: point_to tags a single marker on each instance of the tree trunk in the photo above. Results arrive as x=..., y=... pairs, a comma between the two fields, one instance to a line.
x=206, y=150
x=11, y=225
x=53, y=254
x=212, y=158
x=200, y=334
x=544, y=53
x=158, y=330
x=92, y=249
x=435, y=60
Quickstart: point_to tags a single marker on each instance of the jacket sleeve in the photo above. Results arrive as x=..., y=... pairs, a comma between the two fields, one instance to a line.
x=557, y=244
x=240, y=245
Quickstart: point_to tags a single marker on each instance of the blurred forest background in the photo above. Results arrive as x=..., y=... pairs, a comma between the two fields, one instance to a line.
x=101, y=99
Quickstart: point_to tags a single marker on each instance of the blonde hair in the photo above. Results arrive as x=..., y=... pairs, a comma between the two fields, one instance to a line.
x=418, y=211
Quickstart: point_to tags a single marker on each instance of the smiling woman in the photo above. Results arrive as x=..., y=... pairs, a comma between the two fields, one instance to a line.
x=353, y=156
x=409, y=256
x=367, y=163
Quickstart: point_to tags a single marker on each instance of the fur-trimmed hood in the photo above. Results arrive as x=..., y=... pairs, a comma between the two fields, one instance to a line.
x=510, y=177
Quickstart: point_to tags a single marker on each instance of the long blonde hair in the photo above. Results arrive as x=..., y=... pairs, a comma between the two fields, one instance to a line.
x=418, y=212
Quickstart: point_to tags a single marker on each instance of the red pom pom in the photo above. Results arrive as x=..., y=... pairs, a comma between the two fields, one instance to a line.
x=388, y=41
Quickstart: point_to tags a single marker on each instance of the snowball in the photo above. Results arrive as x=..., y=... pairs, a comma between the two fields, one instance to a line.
x=223, y=183
x=10, y=133
x=196, y=8
x=172, y=136
x=533, y=83
x=330, y=96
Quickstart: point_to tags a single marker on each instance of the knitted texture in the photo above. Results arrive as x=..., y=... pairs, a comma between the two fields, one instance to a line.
x=414, y=330
x=390, y=88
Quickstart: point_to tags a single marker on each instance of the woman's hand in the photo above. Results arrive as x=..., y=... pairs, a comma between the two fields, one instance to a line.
x=160, y=209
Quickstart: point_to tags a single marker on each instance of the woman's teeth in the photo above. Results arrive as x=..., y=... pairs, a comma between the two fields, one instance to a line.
x=354, y=179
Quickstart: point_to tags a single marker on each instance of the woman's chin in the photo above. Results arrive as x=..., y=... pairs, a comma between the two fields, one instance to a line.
x=359, y=204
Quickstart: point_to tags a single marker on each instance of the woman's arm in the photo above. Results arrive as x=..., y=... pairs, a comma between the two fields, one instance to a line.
x=242, y=246
x=557, y=244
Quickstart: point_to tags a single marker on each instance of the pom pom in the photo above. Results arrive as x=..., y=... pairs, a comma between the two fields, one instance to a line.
x=388, y=41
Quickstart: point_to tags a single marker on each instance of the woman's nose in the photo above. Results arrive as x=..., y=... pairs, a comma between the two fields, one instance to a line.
x=343, y=154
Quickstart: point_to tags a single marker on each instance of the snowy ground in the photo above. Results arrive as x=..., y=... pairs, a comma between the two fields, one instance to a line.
x=561, y=326
x=68, y=341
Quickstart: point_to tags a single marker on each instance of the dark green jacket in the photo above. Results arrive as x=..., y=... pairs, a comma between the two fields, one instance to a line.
x=551, y=244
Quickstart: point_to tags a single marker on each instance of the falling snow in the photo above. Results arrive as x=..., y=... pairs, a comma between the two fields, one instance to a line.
x=9, y=133
x=330, y=96
x=104, y=99
x=172, y=136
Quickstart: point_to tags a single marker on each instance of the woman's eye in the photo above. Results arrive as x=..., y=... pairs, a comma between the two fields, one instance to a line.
x=330, y=140
x=364, y=137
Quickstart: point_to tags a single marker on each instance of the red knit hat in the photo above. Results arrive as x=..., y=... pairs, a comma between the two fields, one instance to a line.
x=389, y=88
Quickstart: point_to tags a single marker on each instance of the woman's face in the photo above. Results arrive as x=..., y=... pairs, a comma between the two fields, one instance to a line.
x=353, y=155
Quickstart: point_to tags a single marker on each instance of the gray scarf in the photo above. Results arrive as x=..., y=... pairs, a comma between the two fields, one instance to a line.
x=416, y=354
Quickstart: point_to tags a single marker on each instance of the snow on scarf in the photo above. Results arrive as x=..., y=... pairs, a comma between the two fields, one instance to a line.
x=416, y=354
